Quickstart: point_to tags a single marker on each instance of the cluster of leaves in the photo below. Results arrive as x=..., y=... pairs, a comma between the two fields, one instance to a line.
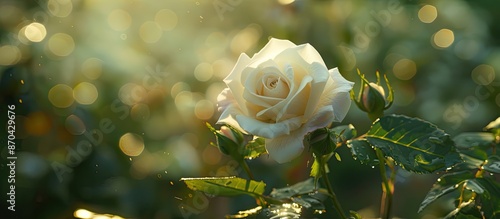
x=472, y=182
x=468, y=161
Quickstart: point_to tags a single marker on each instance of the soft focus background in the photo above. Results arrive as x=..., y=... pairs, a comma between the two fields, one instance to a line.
x=112, y=96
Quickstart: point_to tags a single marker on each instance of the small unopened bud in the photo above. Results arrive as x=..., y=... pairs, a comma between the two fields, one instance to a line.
x=229, y=140
x=372, y=97
x=322, y=141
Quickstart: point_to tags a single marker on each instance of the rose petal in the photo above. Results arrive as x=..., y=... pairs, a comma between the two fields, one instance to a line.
x=284, y=148
x=224, y=99
x=322, y=118
x=228, y=117
x=268, y=130
x=340, y=84
x=233, y=79
x=341, y=102
x=270, y=50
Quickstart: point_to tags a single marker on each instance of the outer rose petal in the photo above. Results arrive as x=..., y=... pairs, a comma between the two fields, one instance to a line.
x=233, y=79
x=341, y=102
x=284, y=148
x=270, y=50
x=268, y=130
x=224, y=99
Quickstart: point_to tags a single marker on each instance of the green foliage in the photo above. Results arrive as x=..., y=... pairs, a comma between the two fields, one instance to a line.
x=363, y=151
x=297, y=200
x=321, y=141
x=254, y=148
x=226, y=186
x=414, y=144
x=344, y=132
x=473, y=183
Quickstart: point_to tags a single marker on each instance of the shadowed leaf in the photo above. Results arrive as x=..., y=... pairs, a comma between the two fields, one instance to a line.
x=414, y=144
x=225, y=186
x=363, y=152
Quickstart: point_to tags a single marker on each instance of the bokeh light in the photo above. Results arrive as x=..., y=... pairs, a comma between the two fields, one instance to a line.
x=427, y=14
x=85, y=93
x=38, y=123
x=166, y=19
x=483, y=74
x=405, y=69
x=203, y=72
x=9, y=55
x=61, y=44
x=286, y=2
x=246, y=39
x=131, y=144
x=60, y=8
x=119, y=20
x=35, y=32
x=443, y=38
x=150, y=32
x=92, y=68
x=204, y=109
x=131, y=93
x=74, y=125
x=61, y=96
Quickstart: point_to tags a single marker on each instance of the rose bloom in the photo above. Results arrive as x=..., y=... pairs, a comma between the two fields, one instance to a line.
x=282, y=93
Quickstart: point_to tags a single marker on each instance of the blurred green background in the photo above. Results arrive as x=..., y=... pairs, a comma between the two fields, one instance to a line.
x=112, y=96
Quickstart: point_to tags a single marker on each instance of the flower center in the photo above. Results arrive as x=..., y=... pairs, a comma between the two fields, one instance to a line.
x=274, y=87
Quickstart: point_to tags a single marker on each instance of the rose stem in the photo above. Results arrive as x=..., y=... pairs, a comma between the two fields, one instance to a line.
x=247, y=169
x=326, y=180
x=387, y=186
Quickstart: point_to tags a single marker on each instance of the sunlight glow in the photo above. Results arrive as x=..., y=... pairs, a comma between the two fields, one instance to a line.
x=427, y=14
x=443, y=38
x=35, y=32
x=131, y=144
x=61, y=96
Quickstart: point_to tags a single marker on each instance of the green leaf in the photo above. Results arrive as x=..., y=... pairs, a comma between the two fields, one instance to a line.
x=226, y=186
x=414, y=144
x=355, y=215
x=321, y=141
x=300, y=188
x=475, y=148
x=468, y=140
x=444, y=185
x=315, y=171
x=493, y=164
x=362, y=150
x=255, y=148
x=304, y=194
x=490, y=197
x=345, y=132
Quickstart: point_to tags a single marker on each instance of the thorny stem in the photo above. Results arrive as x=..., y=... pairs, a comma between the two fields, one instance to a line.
x=326, y=180
x=387, y=186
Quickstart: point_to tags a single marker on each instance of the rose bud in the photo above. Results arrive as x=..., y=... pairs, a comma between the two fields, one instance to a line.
x=229, y=140
x=372, y=98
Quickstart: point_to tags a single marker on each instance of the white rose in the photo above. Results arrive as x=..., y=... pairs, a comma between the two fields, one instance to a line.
x=282, y=93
